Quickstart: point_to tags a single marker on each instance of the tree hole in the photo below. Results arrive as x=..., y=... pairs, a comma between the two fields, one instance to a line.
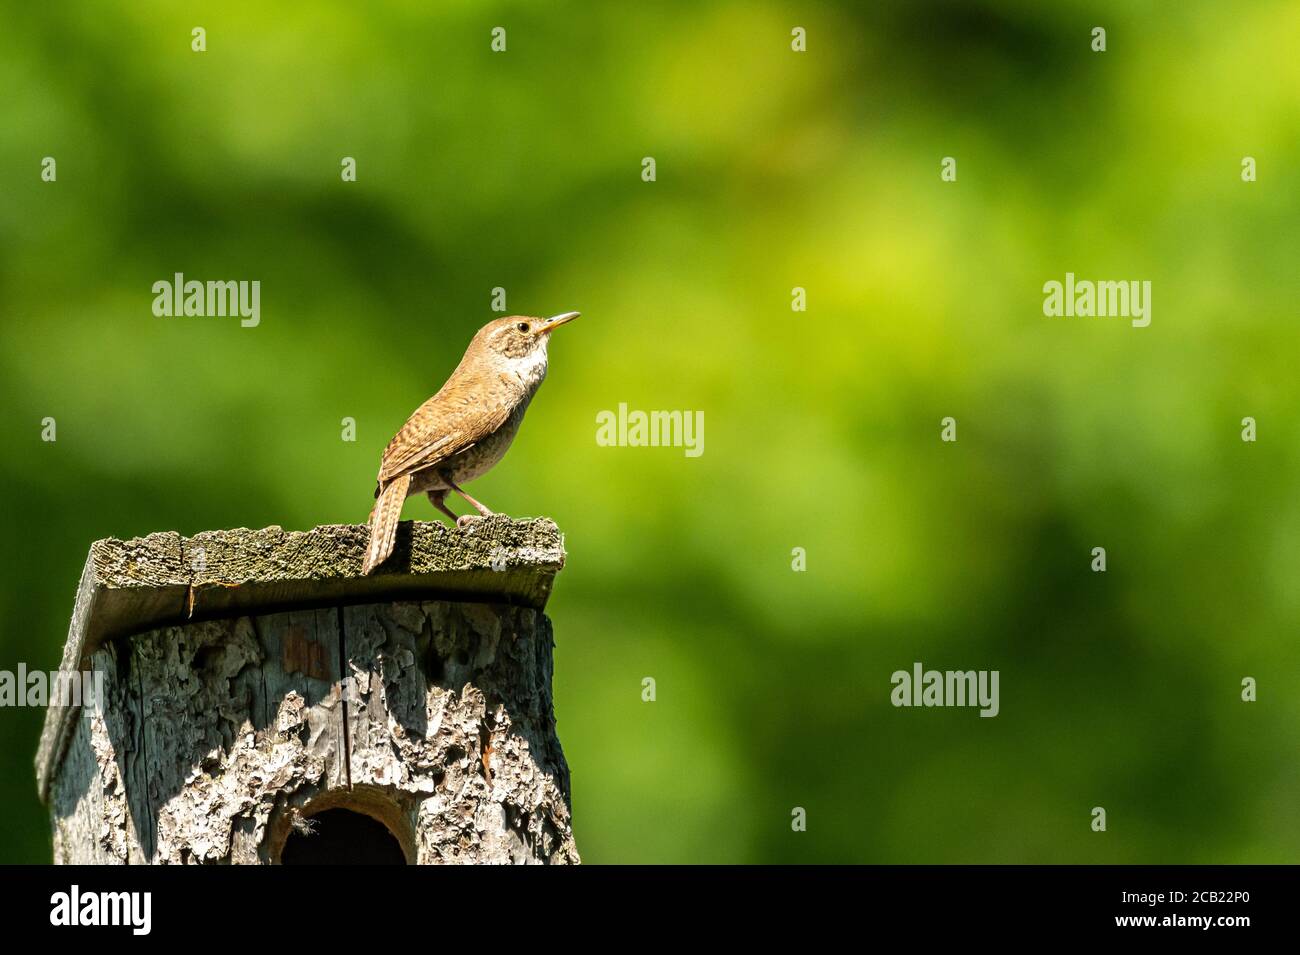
x=342, y=837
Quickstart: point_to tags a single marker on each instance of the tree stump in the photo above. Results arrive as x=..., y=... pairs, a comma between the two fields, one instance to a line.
x=261, y=702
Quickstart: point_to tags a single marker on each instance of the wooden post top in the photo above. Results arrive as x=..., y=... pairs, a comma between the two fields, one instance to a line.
x=165, y=579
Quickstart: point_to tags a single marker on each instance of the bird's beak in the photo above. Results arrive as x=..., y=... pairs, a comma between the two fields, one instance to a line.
x=555, y=321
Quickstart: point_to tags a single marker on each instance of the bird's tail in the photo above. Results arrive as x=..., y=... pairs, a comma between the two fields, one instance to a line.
x=383, y=522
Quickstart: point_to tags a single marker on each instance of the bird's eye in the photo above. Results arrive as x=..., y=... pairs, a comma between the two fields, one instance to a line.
x=522, y=326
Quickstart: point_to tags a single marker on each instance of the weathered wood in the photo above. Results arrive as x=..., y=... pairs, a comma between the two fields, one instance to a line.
x=453, y=702
x=130, y=586
x=88, y=801
x=215, y=737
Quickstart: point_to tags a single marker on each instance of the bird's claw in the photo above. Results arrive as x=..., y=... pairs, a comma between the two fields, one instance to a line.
x=465, y=520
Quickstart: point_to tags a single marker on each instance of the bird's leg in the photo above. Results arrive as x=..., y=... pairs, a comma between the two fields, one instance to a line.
x=438, y=499
x=466, y=518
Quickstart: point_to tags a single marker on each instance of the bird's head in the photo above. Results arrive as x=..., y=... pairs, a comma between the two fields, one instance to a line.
x=520, y=336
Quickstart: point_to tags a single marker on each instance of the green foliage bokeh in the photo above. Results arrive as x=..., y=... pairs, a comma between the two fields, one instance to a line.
x=775, y=169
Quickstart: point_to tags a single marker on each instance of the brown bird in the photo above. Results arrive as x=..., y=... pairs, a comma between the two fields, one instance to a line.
x=463, y=430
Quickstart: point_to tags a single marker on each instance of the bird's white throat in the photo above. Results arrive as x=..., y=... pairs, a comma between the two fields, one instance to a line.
x=530, y=369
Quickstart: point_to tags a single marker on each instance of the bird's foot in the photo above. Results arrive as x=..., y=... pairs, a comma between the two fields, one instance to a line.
x=465, y=520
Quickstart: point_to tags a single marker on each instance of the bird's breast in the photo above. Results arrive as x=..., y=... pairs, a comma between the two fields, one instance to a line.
x=488, y=450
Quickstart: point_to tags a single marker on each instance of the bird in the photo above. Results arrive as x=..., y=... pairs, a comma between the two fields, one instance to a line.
x=465, y=429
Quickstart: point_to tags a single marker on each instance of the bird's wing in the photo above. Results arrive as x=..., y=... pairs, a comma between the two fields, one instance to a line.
x=446, y=424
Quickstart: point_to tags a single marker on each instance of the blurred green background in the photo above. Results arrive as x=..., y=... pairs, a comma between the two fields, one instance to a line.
x=776, y=169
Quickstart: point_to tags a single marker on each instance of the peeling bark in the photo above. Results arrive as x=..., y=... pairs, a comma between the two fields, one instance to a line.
x=215, y=737
x=165, y=580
